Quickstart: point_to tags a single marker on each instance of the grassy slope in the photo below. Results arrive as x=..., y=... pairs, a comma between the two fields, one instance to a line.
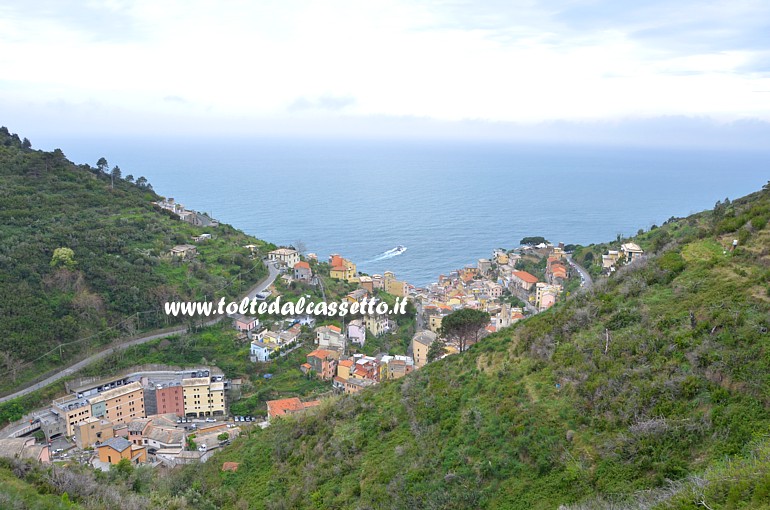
x=538, y=415
x=119, y=240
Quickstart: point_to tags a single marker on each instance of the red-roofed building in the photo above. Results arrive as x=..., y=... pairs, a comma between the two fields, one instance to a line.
x=342, y=269
x=523, y=279
x=302, y=271
x=284, y=406
x=323, y=363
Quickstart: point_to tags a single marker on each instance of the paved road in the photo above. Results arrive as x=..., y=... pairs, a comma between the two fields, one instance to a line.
x=153, y=335
x=587, y=282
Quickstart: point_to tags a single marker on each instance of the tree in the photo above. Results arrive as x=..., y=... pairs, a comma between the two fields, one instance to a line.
x=102, y=165
x=26, y=144
x=464, y=325
x=141, y=181
x=531, y=241
x=115, y=174
x=129, y=178
x=436, y=350
x=63, y=257
x=11, y=364
x=124, y=468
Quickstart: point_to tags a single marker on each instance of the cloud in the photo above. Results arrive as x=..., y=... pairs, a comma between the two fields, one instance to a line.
x=175, y=99
x=517, y=62
x=322, y=103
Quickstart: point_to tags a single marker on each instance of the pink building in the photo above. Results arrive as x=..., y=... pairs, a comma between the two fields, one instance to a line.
x=170, y=399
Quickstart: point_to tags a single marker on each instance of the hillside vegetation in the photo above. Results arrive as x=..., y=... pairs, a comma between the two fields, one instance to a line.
x=85, y=261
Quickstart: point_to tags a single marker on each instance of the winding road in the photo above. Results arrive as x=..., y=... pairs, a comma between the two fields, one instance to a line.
x=147, y=337
x=586, y=280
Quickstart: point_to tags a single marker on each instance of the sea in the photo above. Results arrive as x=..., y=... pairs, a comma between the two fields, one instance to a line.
x=448, y=203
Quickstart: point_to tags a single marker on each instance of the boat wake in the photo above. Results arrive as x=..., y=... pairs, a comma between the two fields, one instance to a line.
x=394, y=252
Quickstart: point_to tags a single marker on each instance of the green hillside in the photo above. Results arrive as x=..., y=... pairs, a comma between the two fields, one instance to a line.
x=118, y=274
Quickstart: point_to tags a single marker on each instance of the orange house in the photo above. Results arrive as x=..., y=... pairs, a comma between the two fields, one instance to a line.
x=115, y=449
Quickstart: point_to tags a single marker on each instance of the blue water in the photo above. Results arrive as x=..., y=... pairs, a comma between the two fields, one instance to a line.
x=448, y=203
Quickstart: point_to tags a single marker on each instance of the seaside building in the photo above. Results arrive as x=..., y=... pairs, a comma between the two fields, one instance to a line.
x=285, y=256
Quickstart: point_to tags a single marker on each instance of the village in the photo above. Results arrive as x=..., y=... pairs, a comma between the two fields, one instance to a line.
x=497, y=286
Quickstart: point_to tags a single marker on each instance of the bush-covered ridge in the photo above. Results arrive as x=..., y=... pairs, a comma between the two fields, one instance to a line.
x=118, y=269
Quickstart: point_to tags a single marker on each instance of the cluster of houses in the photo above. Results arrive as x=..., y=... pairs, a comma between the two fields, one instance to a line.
x=340, y=268
x=629, y=252
x=192, y=217
x=352, y=373
x=485, y=286
x=136, y=418
x=266, y=344
x=296, y=269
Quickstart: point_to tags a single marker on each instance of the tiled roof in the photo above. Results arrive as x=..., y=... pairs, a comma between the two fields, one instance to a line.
x=288, y=405
x=283, y=406
x=117, y=443
x=320, y=353
x=525, y=276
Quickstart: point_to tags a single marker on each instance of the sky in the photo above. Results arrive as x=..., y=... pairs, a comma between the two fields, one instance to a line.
x=685, y=71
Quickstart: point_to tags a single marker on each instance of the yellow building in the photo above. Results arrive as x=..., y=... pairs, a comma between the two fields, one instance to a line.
x=377, y=324
x=421, y=343
x=501, y=258
x=203, y=398
x=395, y=287
x=434, y=323
x=91, y=431
x=454, y=301
x=344, y=367
x=343, y=269
x=115, y=449
x=120, y=405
